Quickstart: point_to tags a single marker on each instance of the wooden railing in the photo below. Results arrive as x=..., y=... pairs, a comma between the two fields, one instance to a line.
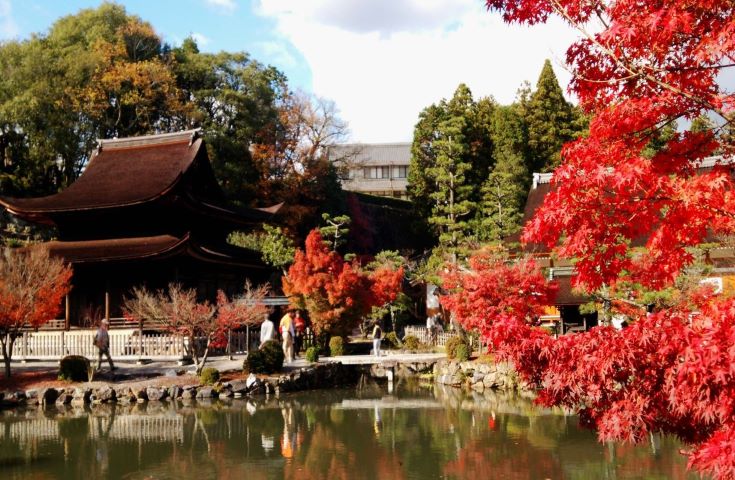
x=52, y=345
x=422, y=333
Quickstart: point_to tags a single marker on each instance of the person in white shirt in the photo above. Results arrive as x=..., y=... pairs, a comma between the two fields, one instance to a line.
x=267, y=330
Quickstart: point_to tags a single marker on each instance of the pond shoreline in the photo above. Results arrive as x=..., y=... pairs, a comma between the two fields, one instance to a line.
x=173, y=385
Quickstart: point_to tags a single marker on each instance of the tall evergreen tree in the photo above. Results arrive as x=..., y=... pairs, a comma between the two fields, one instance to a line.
x=469, y=123
x=504, y=192
x=452, y=205
x=552, y=121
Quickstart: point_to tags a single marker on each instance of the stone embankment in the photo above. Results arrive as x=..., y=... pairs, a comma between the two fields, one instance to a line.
x=479, y=376
x=326, y=375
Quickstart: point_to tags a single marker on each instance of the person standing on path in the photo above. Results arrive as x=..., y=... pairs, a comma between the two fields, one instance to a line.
x=267, y=331
x=287, y=334
x=102, y=342
x=377, y=335
x=299, y=325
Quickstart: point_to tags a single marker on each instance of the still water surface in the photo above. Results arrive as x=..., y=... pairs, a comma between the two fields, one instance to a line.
x=413, y=433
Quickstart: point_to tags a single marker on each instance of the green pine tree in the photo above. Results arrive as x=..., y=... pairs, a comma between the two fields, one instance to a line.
x=552, y=122
x=504, y=191
x=452, y=205
x=469, y=123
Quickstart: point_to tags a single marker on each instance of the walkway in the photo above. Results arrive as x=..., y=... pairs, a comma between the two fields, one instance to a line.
x=131, y=369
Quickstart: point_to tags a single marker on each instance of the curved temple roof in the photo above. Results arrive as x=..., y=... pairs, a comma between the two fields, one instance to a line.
x=121, y=172
x=132, y=171
x=159, y=247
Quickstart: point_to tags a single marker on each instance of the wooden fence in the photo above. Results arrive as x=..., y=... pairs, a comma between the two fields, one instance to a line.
x=422, y=333
x=52, y=345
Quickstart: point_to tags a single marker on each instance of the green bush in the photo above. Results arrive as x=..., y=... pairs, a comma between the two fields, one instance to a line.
x=74, y=368
x=452, y=344
x=312, y=354
x=411, y=343
x=392, y=340
x=462, y=352
x=268, y=359
x=336, y=346
x=209, y=376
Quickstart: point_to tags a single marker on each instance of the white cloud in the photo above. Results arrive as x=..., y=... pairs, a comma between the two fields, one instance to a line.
x=382, y=73
x=201, y=39
x=383, y=16
x=8, y=27
x=278, y=54
x=227, y=6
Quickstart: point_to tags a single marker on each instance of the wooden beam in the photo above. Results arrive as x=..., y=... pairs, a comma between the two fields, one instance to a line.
x=66, y=312
x=107, y=300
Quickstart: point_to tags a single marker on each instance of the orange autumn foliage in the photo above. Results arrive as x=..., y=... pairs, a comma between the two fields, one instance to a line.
x=336, y=293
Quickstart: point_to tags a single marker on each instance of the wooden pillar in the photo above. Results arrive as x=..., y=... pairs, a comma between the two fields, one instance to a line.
x=107, y=300
x=66, y=312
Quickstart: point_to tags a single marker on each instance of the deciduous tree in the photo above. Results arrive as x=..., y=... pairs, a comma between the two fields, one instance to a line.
x=648, y=65
x=336, y=293
x=492, y=287
x=32, y=286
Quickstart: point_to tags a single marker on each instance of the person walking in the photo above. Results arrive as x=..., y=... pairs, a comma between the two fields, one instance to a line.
x=102, y=342
x=287, y=334
x=377, y=336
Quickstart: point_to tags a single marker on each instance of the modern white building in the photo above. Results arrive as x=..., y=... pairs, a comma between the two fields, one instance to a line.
x=374, y=168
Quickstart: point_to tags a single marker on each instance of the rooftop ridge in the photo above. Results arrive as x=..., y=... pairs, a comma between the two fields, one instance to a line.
x=707, y=162
x=144, y=140
x=366, y=144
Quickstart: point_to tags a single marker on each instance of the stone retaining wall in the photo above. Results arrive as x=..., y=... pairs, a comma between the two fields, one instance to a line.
x=478, y=376
x=326, y=375
x=400, y=369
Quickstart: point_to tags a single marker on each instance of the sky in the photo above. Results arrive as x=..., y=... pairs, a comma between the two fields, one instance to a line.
x=380, y=61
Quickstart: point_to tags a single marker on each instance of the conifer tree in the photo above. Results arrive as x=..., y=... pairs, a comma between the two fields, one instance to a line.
x=504, y=191
x=468, y=123
x=452, y=206
x=552, y=121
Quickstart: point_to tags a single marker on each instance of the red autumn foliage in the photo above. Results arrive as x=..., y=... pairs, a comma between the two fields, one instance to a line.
x=493, y=288
x=336, y=293
x=32, y=286
x=648, y=65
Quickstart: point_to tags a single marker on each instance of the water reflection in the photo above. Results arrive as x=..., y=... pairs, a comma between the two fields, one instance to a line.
x=346, y=434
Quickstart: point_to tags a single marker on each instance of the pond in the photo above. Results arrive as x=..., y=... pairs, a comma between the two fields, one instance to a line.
x=412, y=433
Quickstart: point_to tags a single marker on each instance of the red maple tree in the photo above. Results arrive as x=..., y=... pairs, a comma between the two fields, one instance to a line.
x=492, y=287
x=336, y=293
x=32, y=286
x=647, y=65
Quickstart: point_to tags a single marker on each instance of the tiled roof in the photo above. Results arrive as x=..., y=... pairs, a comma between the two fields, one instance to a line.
x=371, y=154
x=121, y=172
x=160, y=246
x=136, y=170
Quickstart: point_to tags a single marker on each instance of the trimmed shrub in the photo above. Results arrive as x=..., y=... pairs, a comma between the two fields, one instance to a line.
x=411, y=343
x=392, y=340
x=312, y=354
x=336, y=346
x=74, y=368
x=462, y=352
x=209, y=376
x=268, y=359
x=451, y=346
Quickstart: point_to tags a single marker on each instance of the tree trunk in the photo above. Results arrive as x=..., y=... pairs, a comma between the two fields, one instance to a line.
x=200, y=366
x=7, y=342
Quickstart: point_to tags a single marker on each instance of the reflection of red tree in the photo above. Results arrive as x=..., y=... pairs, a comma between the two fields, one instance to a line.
x=479, y=460
x=630, y=460
x=323, y=456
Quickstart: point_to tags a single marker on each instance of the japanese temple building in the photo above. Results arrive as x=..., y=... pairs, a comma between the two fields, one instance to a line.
x=146, y=211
